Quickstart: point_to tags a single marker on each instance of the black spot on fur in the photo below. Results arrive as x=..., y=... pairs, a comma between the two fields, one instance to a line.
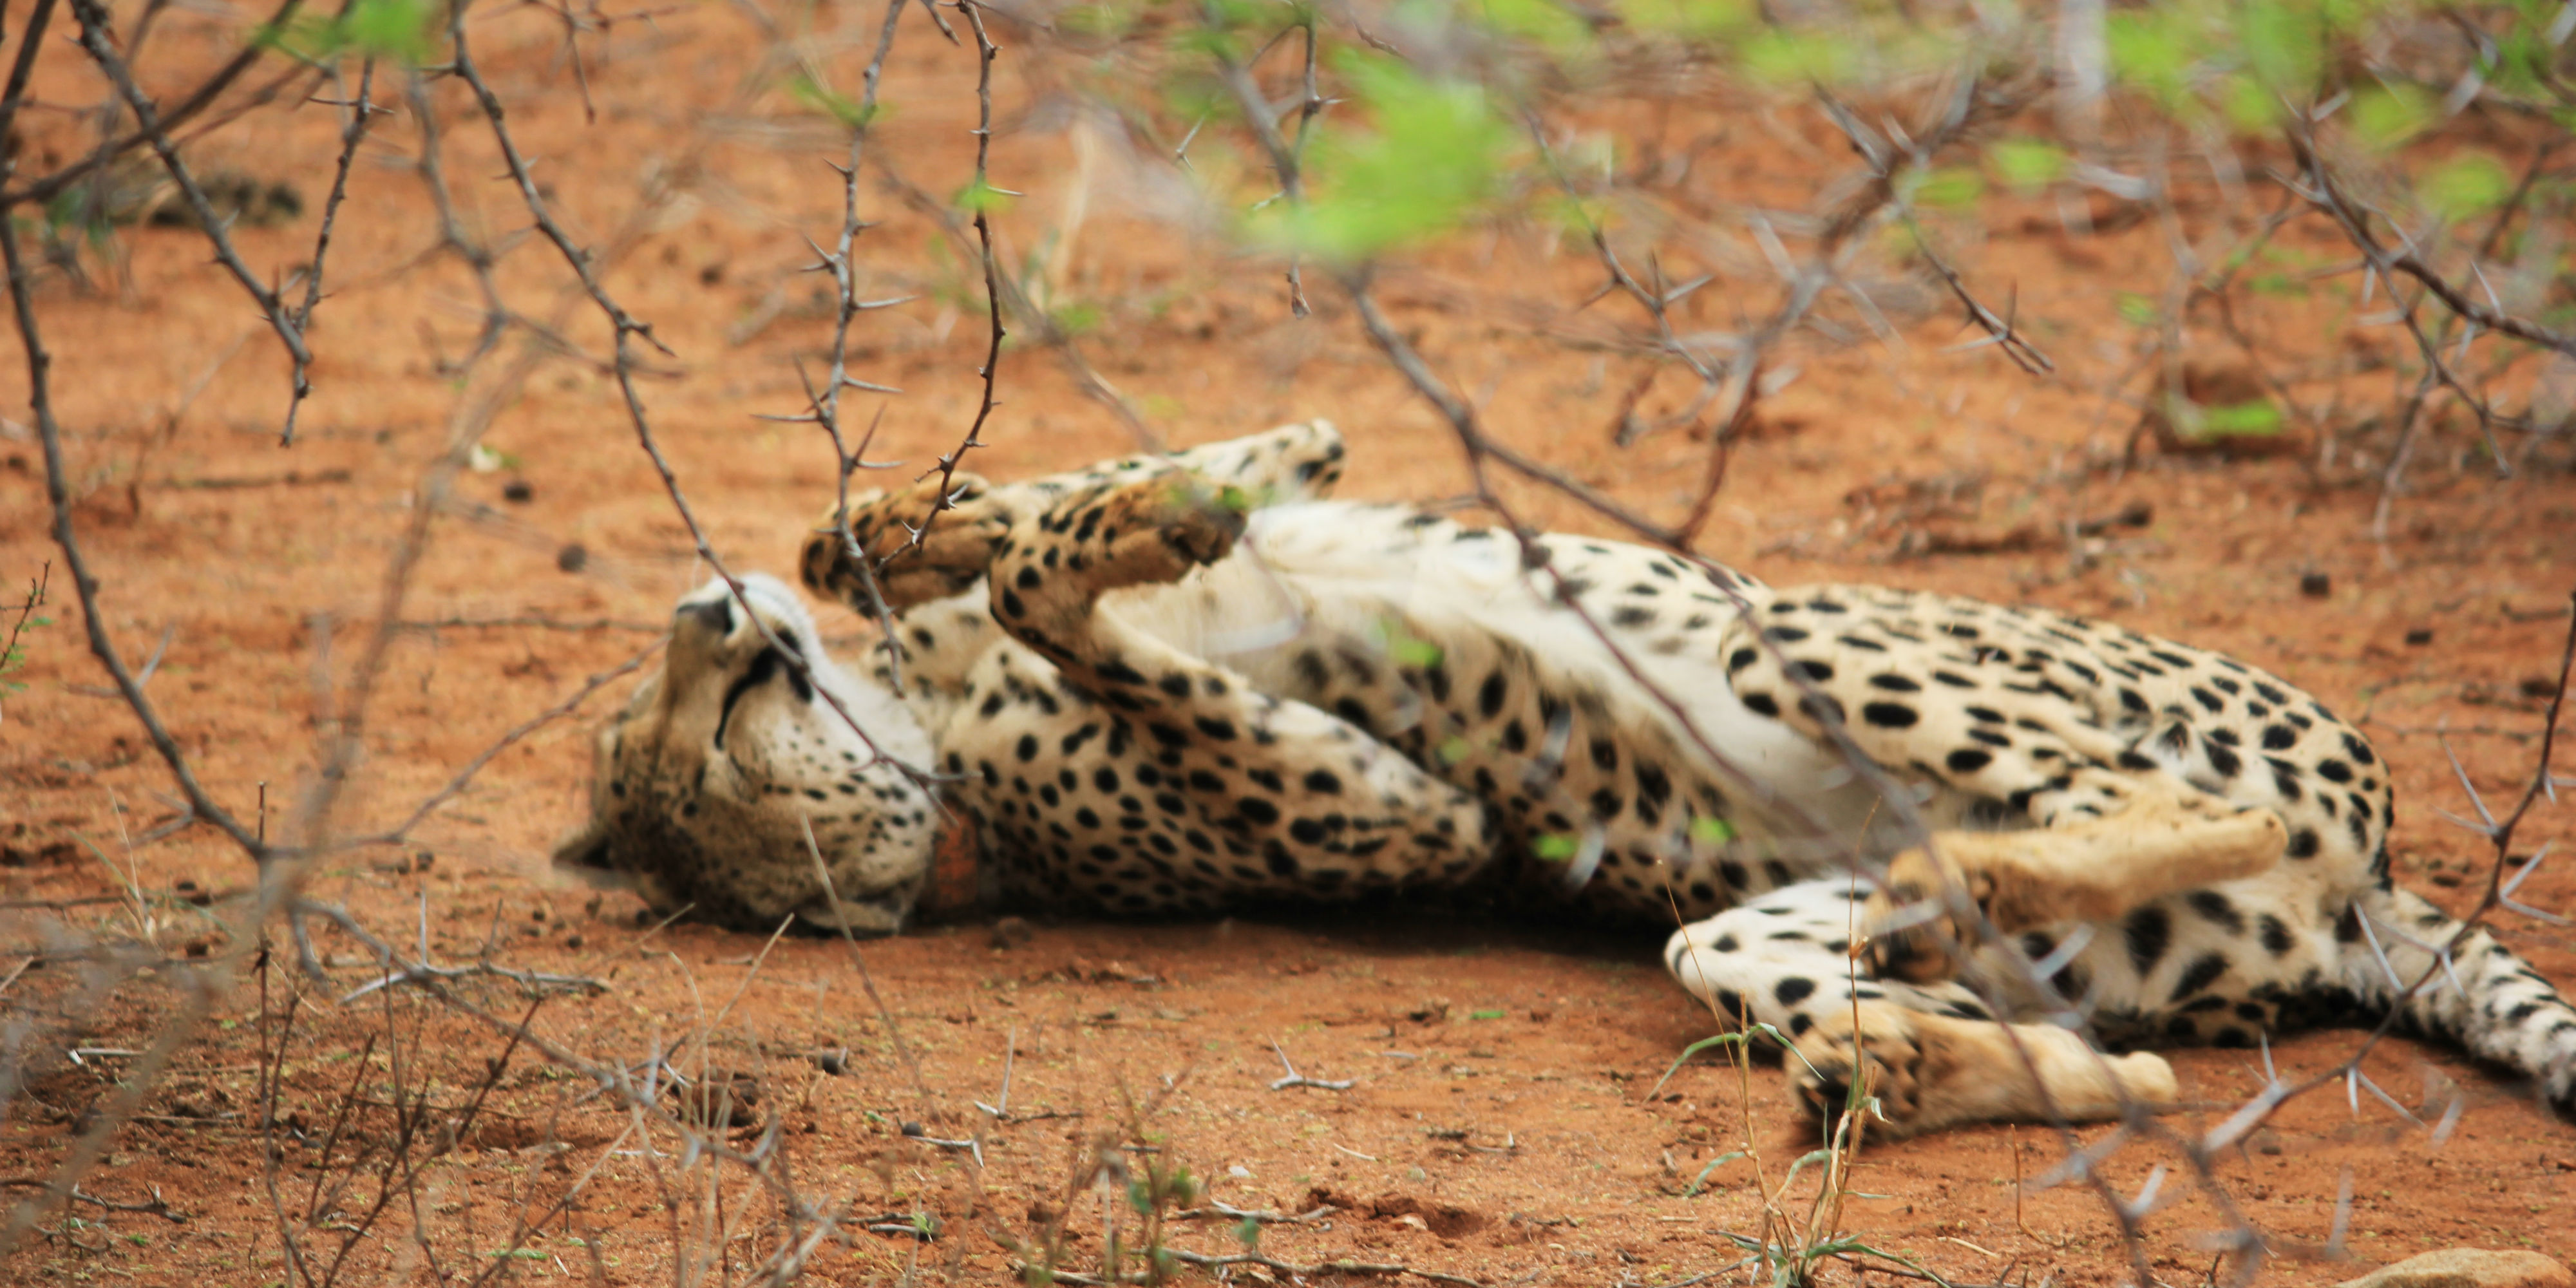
x=2285, y=778
x=2276, y=935
x=2217, y=910
x=2149, y=931
x=2203, y=971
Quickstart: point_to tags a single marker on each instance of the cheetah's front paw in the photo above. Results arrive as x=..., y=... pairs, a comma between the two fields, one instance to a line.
x=919, y=550
x=1885, y=1061
x=1931, y=1071
x=1146, y=531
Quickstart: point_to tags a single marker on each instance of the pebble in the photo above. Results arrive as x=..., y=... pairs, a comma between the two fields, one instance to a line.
x=2469, y=1268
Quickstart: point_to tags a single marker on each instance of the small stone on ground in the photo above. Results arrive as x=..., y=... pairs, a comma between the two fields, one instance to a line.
x=2469, y=1268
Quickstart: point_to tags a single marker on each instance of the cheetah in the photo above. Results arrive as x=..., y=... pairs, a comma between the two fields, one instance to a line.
x=707, y=783
x=1170, y=685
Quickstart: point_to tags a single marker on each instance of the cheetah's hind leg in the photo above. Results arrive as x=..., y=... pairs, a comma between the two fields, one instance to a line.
x=2169, y=838
x=1930, y=1052
x=1931, y=1071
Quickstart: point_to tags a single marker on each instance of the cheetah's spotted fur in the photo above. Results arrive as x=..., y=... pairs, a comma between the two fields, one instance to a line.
x=1154, y=702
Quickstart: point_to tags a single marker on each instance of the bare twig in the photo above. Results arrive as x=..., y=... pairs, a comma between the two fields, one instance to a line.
x=361, y=111
x=981, y=192
x=2322, y=189
x=67, y=538
x=627, y=329
x=1296, y=1079
x=94, y=38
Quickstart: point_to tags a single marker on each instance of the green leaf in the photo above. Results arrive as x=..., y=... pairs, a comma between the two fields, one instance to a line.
x=2256, y=419
x=1249, y=1234
x=1949, y=187
x=1433, y=160
x=1099, y=21
x=1789, y=58
x=1713, y=1164
x=2137, y=310
x=396, y=29
x=1689, y=19
x=2250, y=107
x=2153, y=48
x=2027, y=165
x=1419, y=654
x=1076, y=319
x=840, y=107
x=2346, y=17
x=1484, y=1015
x=389, y=28
x=2466, y=186
x=2284, y=45
x=981, y=197
x=2386, y=116
x=1544, y=22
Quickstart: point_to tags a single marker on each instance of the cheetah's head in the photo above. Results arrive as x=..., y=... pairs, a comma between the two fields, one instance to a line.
x=706, y=784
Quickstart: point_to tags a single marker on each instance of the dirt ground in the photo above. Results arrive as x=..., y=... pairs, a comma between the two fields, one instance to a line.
x=1505, y=1119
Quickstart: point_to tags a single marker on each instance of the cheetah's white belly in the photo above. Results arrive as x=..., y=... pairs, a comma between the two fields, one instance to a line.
x=1357, y=572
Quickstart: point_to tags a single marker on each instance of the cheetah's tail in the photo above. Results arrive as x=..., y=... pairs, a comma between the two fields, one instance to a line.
x=2487, y=1000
